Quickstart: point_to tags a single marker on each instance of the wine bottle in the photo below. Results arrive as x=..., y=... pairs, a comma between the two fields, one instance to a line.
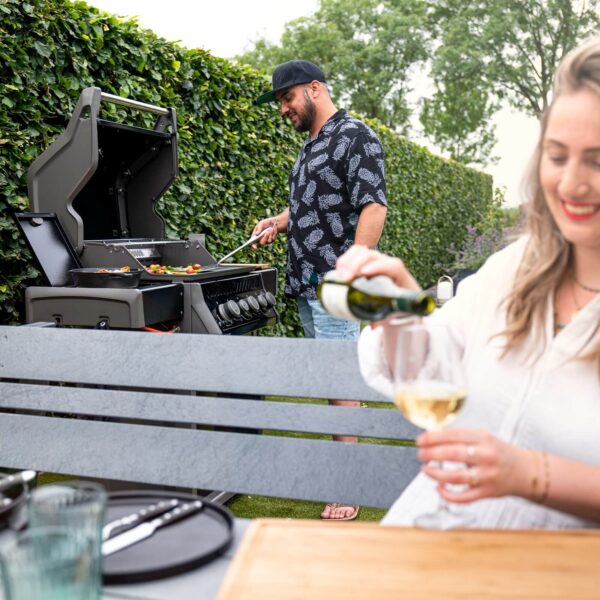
x=370, y=299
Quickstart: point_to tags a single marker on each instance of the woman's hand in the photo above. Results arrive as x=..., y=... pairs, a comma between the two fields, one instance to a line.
x=361, y=261
x=492, y=467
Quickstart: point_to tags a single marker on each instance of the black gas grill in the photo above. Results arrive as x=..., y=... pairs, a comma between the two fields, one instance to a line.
x=93, y=196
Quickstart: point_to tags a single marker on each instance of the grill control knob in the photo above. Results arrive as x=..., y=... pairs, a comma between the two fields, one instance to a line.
x=245, y=307
x=229, y=310
x=253, y=304
x=222, y=312
x=262, y=301
x=270, y=299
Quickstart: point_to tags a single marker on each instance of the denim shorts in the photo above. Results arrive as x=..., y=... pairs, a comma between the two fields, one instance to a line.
x=318, y=323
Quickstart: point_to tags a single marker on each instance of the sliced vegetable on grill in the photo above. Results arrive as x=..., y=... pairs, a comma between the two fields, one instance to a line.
x=156, y=269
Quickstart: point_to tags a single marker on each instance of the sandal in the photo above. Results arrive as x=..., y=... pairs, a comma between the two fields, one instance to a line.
x=334, y=505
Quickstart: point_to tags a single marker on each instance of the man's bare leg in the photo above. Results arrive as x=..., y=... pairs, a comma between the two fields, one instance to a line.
x=341, y=511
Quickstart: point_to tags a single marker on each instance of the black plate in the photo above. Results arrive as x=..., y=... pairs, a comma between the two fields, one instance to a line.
x=114, y=278
x=173, y=549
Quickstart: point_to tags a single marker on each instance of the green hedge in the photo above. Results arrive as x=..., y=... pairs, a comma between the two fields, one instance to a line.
x=432, y=201
x=234, y=157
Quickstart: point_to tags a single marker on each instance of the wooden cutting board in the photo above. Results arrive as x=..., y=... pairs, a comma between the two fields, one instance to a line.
x=295, y=559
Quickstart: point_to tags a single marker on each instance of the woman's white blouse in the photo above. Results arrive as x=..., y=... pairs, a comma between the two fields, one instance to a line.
x=550, y=404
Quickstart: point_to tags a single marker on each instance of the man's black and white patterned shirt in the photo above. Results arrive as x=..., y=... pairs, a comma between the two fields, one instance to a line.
x=334, y=177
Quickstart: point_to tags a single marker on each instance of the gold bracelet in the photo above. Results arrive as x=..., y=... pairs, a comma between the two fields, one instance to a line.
x=546, y=463
x=534, y=479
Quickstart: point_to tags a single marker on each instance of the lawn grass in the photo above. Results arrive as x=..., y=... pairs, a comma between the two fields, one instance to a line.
x=252, y=507
x=44, y=478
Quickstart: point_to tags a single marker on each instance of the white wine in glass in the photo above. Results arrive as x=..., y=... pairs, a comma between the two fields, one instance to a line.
x=429, y=403
x=429, y=390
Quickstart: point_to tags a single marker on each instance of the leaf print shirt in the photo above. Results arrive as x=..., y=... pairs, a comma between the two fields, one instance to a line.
x=334, y=177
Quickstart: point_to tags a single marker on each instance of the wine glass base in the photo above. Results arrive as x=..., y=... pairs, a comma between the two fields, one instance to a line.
x=444, y=518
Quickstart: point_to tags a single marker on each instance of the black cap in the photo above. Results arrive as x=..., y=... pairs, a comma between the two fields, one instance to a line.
x=289, y=74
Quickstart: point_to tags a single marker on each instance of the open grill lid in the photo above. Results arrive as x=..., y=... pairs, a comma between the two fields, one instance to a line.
x=103, y=179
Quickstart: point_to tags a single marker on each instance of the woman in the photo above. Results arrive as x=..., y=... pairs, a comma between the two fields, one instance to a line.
x=528, y=325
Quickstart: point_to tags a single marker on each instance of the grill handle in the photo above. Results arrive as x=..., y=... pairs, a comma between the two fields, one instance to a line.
x=157, y=110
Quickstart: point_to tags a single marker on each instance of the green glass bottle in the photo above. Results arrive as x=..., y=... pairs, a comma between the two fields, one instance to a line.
x=370, y=299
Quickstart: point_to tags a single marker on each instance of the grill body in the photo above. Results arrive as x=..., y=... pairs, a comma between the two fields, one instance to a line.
x=93, y=195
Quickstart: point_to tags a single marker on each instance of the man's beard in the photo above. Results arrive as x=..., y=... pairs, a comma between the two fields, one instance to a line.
x=306, y=118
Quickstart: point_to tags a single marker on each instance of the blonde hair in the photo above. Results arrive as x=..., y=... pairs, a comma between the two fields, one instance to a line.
x=547, y=256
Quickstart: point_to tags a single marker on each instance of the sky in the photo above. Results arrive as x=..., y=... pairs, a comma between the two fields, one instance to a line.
x=228, y=27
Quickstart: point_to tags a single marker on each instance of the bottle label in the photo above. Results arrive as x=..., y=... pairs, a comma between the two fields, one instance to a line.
x=380, y=285
x=334, y=298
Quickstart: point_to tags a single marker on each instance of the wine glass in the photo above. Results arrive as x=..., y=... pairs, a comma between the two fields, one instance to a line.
x=430, y=390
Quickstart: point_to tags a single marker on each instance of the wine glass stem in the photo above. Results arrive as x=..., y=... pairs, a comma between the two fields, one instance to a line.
x=443, y=504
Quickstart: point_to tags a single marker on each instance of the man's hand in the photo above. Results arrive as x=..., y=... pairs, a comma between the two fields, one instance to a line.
x=270, y=236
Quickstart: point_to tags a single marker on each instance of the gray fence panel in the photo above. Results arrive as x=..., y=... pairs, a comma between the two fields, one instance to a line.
x=224, y=412
x=254, y=365
x=371, y=475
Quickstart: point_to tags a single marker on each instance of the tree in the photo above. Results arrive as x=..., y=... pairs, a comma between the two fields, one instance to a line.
x=366, y=47
x=491, y=52
x=478, y=54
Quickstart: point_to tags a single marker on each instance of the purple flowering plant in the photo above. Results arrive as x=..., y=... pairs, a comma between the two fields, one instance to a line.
x=477, y=247
x=499, y=226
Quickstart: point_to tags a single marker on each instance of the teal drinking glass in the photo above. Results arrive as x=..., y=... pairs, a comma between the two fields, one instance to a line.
x=47, y=563
x=79, y=507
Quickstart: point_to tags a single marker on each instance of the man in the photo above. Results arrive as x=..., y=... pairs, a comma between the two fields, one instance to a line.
x=337, y=198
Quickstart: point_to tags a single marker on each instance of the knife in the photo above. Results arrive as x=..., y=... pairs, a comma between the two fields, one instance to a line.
x=21, y=477
x=128, y=522
x=146, y=529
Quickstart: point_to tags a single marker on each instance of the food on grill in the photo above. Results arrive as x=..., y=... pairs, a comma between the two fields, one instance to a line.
x=168, y=270
x=121, y=270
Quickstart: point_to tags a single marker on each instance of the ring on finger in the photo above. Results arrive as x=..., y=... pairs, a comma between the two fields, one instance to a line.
x=470, y=453
x=474, y=480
